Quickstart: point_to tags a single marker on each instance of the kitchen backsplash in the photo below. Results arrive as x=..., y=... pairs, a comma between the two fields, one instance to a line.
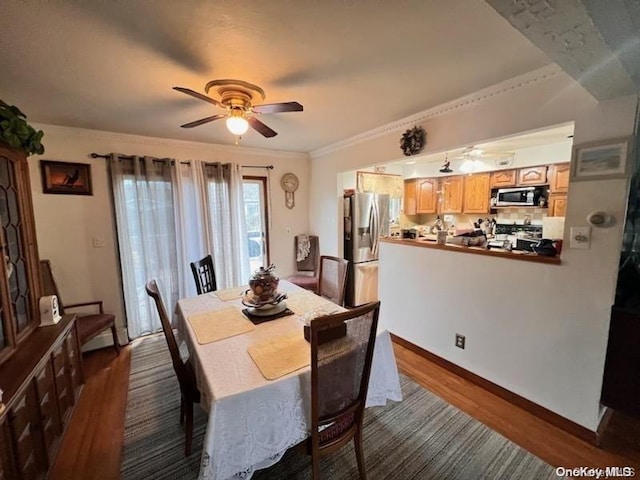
x=504, y=215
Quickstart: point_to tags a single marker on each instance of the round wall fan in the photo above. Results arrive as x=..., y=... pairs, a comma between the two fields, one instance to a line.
x=237, y=97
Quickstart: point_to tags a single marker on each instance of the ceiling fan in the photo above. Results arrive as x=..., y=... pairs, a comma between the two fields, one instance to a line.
x=473, y=155
x=237, y=97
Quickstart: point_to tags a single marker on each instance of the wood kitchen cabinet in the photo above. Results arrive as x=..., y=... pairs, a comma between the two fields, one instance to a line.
x=477, y=191
x=427, y=193
x=532, y=175
x=557, y=205
x=410, y=200
x=504, y=178
x=559, y=177
x=451, y=194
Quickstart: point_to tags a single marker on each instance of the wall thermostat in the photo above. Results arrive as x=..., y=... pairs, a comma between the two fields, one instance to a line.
x=599, y=219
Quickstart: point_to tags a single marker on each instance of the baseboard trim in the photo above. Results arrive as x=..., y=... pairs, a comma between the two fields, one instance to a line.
x=541, y=412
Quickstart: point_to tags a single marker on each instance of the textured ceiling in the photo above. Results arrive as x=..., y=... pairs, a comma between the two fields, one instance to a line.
x=354, y=65
x=597, y=42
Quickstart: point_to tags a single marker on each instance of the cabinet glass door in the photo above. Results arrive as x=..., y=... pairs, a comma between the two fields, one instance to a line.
x=14, y=245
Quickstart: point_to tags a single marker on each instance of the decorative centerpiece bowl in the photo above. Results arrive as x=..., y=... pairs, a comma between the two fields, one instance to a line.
x=264, y=284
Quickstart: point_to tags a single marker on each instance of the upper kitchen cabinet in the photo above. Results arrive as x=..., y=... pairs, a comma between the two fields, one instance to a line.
x=503, y=178
x=559, y=177
x=557, y=205
x=451, y=189
x=477, y=190
x=532, y=175
x=427, y=195
x=410, y=204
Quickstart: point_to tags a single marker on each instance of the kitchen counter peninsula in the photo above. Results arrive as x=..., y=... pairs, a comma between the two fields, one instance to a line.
x=494, y=252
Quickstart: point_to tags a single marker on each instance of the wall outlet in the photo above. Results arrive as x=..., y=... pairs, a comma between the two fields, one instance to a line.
x=459, y=341
x=97, y=242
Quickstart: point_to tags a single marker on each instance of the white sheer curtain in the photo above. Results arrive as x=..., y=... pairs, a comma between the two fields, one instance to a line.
x=144, y=207
x=192, y=221
x=228, y=235
x=169, y=214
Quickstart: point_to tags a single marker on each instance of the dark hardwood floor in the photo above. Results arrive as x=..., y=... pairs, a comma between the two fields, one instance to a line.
x=92, y=446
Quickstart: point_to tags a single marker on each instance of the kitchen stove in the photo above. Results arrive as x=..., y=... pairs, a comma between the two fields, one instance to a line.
x=521, y=237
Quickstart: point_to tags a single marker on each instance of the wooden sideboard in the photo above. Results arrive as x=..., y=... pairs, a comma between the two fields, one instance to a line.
x=41, y=386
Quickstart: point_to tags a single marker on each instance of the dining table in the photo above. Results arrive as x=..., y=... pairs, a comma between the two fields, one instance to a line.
x=253, y=420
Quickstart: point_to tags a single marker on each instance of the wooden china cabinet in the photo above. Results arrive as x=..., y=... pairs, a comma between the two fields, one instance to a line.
x=40, y=367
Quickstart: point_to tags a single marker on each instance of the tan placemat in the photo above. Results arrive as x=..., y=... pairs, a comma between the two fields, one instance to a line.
x=231, y=293
x=213, y=326
x=281, y=355
x=302, y=302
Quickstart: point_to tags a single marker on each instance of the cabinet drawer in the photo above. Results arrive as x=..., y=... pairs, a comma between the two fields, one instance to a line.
x=58, y=360
x=26, y=434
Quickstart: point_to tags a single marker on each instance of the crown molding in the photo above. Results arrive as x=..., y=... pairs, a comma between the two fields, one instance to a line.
x=101, y=135
x=467, y=101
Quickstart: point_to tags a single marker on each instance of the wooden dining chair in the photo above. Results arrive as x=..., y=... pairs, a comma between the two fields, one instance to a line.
x=332, y=280
x=89, y=324
x=306, y=275
x=340, y=371
x=189, y=393
x=204, y=275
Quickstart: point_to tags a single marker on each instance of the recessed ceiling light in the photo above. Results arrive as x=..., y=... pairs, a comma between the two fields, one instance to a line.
x=411, y=162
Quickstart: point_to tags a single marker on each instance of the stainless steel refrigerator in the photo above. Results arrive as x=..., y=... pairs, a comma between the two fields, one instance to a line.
x=366, y=220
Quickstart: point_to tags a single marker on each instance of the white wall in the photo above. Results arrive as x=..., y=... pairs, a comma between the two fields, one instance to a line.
x=562, y=312
x=66, y=224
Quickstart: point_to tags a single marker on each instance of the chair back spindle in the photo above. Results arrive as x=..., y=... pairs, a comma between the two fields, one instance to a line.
x=204, y=275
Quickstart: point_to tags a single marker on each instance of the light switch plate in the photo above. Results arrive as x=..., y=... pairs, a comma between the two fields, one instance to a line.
x=580, y=238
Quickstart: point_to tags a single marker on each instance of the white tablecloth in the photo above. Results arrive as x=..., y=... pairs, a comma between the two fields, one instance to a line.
x=253, y=421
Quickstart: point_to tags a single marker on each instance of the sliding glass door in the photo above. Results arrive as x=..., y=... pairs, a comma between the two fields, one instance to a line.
x=256, y=215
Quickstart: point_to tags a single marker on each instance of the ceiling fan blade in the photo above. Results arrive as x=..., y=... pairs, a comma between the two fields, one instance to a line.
x=261, y=128
x=202, y=121
x=278, y=107
x=199, y=96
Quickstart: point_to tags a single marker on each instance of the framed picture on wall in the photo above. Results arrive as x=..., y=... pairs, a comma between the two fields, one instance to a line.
x=66, y=178
x=601, y=160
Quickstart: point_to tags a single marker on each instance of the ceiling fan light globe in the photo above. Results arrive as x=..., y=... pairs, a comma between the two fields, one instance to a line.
x=237, y=125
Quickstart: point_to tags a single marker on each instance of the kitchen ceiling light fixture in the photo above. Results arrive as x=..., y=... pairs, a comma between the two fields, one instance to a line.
x=236, y=123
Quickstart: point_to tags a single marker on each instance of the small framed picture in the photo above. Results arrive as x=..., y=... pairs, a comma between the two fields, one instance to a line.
x=66, y=178
x=601, y=160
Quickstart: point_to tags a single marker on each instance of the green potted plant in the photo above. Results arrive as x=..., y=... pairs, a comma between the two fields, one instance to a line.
x=15, y=130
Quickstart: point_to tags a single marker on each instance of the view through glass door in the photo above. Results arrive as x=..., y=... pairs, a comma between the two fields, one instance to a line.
x=255, y=212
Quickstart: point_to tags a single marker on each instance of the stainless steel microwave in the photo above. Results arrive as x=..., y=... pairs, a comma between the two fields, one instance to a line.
x=522, y=196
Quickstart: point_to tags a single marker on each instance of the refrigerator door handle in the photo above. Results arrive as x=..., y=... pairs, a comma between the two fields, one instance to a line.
x=375, y=230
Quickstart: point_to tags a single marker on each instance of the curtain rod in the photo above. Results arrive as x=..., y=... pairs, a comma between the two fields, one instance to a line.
x=131, y=157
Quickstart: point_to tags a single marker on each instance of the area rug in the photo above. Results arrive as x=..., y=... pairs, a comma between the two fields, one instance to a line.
x=420, y=438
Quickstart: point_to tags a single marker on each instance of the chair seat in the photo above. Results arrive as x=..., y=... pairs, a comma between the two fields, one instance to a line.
x=308, y=282
x=91, y=325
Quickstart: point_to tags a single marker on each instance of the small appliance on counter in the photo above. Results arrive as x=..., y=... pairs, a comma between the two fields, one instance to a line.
x=409, y=233
x=547, y=247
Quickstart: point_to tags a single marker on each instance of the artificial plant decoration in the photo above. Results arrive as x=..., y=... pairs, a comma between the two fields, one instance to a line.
x=413, y=141
x=15, y=130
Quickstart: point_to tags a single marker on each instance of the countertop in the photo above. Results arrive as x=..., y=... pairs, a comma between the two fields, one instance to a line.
x=493, y=252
